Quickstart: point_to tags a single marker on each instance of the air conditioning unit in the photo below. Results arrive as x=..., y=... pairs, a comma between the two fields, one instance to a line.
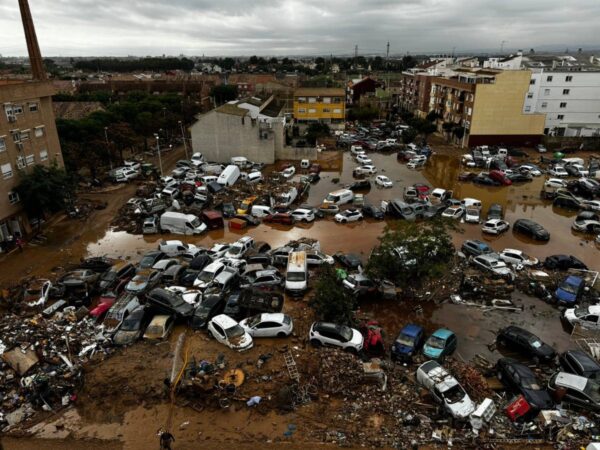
x=12, y=118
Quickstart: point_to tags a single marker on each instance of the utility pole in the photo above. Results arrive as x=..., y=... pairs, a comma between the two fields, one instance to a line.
x=355, y=54
x=184, y=139
x=158, y=150
x=108, y=147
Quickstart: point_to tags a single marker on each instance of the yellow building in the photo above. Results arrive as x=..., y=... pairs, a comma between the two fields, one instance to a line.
x=320, y=104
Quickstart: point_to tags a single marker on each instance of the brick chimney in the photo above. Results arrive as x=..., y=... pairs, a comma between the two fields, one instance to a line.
x=35, y=56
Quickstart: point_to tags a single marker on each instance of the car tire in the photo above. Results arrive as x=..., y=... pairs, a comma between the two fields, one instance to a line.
x=344, y=221
x=281, y=334
x=316, y=343
x=304, y=220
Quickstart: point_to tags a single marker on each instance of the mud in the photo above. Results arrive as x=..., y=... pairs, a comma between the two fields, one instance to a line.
x=124, y=403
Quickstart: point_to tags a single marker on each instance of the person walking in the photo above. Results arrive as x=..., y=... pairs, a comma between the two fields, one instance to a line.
x=166, y=439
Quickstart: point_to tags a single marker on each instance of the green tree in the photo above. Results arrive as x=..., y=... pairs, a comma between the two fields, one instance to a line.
x=315, y=131
x=363, y=113
x=432, y=116
x=410, y=253
x=122, y=136
x=409, y=135
x=224, y=93
x=331, y=301
x=45, y=190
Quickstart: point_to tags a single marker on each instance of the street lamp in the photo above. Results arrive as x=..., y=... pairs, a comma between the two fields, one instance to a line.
x=183, y=137
x=108, y=147
x=158, y=151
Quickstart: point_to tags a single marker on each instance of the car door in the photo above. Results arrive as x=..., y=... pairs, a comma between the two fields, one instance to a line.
x=220, y=334
x=590, y=321
x=451, y=344
x=266, y=329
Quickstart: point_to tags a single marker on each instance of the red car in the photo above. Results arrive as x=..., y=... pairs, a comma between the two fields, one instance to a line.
x=500, y=177
x=104, y=304
x=283, y=218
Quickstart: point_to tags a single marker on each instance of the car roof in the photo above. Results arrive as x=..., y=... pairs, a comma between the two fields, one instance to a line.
x=585, y=360
x=211, y=300
x=443, y=333
x=570, y=380
x=160, y=319
x=512, y=250
x=224, y=321
x=572, y=279
x=275, y=317
x=172, y=242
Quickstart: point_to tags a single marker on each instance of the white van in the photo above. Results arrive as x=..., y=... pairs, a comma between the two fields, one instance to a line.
x=229, y=176
x=296, y=279
x=208, y=179
x=471, y=203
x=197, y=159
x=287, y=198
x=254, y=177
x=339, y=197
x=260, y=211
x=239, y=248
x=179, y=223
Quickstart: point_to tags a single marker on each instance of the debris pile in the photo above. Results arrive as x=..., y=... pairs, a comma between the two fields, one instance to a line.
x=42, y=360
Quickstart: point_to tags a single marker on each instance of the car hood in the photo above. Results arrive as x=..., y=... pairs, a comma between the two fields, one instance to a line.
x=357, y=338
x=125, y=337
x=569, y=314
x=431, y=351
x=565, y=296
x=243, y=342
x=461, y=409
x=403, y=349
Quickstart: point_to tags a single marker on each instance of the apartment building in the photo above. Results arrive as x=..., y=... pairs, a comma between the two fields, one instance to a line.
x=488, y=104
x=569, y=99
x=27, y=137
x=320, y=104
x=411, y=92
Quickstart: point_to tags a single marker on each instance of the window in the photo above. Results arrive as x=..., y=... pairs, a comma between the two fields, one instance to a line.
x=13, y=197
x=562, y=105
x=301, y=110
x=546, y=91
x=301, y=99
x=24, y=135
x=30, y=160
x=326, y=99
x=566, y=91
x=16, y=136
x=2, y=143
x=469, y=111
x=530, y=95
x=549, y=78
x=544, y=104
x=532, y=81
x=43, y=155
x=17, y=109
x=33, y=107
x=568, y=78
x=6, y=170
x=337, y=100
x=337, y=111
x=312, y=99
x=39, y=131
x=312, y=111
x=527, y=108
x=326, y=110
x=21, y=163
x=560, y=116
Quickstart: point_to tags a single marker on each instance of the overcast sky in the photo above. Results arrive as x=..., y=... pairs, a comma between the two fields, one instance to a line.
x=293, y=27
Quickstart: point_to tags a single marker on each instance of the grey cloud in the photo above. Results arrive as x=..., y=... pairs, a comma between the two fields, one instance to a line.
x=238, y=27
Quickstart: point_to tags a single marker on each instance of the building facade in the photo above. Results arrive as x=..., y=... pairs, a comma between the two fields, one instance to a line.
x=253, y=128
x=488, y=105
x=569, y=99
x=320, y=105
x=411, y=92
x=27, y=137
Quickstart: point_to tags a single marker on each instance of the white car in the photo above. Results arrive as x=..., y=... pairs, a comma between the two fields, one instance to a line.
x=218, y=250
x=356, y=150
x=528, y=169
x=445, y=389
x=586, y=316
x=472, y=215
x=349, y=215
x=191, y=296
x=580, y=170
x=135, y=165
x=541, y=148
x=197, y=159
x=303, y=215
x=327, y=333
x=363, y=159
x=495, y=226
x=555, y=183
x=367, y=169
x=170, y=192
x=454, y=212
x=591, y=205
x=490, y=263
x=289, y=172
x=517, y=257
x=175, y=247
x=268, y=325
x=558, y=171
x=228, y=332
x=586, y=226
x=130, y=174
x=417, y=161
x=383, y=181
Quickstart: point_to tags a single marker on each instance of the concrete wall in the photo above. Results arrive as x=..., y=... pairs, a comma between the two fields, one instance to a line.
x=220, y=136
x=294, y=153
x=498, y=107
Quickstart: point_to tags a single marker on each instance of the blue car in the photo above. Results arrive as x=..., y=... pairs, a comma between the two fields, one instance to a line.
x=408, y=342
x=441, y=343
x=570, y=290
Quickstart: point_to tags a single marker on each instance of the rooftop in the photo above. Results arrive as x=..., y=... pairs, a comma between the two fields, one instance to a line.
x=315, y=92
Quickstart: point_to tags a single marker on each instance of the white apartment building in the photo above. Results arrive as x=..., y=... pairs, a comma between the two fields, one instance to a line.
x=570, y=99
